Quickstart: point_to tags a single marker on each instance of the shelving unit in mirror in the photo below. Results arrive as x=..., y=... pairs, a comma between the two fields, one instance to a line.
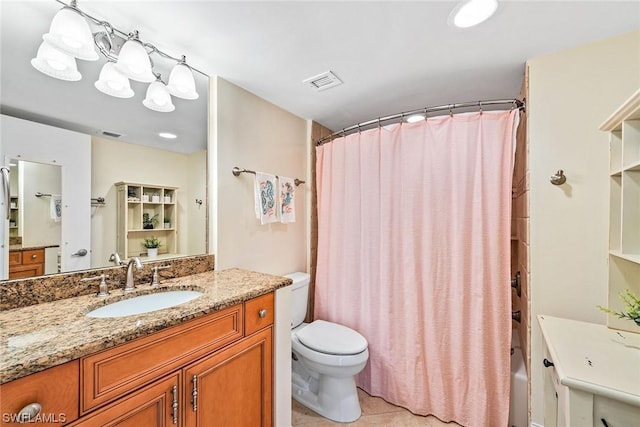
x=143, y=212
x=624, y=204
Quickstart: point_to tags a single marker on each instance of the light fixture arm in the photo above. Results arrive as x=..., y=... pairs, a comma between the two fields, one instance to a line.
x=73, y=4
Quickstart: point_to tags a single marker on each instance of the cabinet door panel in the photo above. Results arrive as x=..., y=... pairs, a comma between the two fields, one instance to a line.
x=152, y=406
x=27, y=270
x=55, y=389
x=234, y=386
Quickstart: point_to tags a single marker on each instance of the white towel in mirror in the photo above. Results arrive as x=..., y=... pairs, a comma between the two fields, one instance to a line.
x=55, y=207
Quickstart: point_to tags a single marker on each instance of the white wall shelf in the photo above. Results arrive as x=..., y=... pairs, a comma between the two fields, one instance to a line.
x=134, y=202
x=624, y=207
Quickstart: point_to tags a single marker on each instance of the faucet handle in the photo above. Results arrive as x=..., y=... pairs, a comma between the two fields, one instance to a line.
x=115, y=258
x=104, y=289
x=156, y=277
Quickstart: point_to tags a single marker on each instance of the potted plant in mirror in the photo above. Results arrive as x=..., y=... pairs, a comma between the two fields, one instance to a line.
x=167, y=222
x=152, y=244
x=149, y=222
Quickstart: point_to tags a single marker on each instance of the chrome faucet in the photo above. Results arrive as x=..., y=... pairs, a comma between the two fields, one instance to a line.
x=129, y=285
x=115, y=258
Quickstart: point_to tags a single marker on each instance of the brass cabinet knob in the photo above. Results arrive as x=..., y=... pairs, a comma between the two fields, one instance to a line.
x=262, y=313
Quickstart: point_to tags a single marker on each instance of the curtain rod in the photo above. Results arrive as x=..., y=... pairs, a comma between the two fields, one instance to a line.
x=516, y=103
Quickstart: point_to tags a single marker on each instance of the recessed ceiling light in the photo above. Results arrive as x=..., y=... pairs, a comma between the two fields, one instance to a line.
x=472, y=12
x=415, y=118
x=168, y=135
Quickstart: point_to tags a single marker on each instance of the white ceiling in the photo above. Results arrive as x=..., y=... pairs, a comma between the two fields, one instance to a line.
x=393, y=56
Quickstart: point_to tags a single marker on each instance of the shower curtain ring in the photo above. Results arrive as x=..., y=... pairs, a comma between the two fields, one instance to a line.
x=450, y=112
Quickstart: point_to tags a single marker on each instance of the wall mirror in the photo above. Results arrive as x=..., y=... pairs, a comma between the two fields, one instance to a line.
x=122, y=144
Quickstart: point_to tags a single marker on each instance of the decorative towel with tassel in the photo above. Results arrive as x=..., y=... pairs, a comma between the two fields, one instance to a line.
x=55, y=207
x=265, y=198
x=287, y=200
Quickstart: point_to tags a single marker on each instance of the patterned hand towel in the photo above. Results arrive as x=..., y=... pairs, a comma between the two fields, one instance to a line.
x=55, y=207
x=265, y=198
x=287, y=200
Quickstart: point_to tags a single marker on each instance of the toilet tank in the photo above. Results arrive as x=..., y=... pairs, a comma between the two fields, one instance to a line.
x=299, y=297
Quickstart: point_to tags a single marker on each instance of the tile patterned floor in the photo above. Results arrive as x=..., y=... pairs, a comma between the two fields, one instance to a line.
x=376, y=412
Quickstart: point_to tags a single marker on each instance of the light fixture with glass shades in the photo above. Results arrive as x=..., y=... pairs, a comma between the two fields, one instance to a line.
x=469, y=13
x=134, y=62
x=54, y=63
x=158, y=97
x=70, y=37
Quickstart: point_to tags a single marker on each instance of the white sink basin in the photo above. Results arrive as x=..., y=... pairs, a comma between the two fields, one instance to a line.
x=145, y=304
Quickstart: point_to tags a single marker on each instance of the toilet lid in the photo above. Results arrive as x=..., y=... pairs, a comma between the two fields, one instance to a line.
x=331, y=338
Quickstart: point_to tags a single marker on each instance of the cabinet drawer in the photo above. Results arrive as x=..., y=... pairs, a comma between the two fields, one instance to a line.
x=15, y=257
x=55, y=389
x=258, y=313
x=35, y=256
x=112, y=373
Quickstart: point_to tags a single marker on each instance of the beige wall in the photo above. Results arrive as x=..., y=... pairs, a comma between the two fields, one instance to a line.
x=115, y=161
x=37, y=226
x=570, y=95
x=249, y=132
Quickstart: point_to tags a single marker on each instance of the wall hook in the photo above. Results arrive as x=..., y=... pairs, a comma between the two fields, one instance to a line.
x=199, y=202
x=559, y=178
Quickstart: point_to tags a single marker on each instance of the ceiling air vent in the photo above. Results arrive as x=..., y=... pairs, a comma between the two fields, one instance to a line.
x=323, y=81
x=111, y=134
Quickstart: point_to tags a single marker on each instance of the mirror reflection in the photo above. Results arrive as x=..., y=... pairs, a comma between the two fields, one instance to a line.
x=34, y=221
x=141, y=198
x=109, y=140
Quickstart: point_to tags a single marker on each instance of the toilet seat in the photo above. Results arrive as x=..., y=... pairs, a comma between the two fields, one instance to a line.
x=331, y=338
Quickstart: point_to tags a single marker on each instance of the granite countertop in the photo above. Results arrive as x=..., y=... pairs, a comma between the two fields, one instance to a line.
x=20, y=247
x=37, y=337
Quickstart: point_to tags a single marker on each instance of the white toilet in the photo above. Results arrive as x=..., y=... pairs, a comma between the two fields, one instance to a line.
x=326, y=357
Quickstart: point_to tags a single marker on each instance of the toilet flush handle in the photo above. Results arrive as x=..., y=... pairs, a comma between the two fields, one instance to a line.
x=262, y=313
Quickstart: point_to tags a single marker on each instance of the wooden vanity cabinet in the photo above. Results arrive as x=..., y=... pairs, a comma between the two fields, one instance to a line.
x=26, y=263
x=55, y=389
x=216, y=370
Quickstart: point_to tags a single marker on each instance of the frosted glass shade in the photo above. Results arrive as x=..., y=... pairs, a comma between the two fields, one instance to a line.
x=70, y=33
x=134, y=62
x=113, y=83
x=181, y=82
x=55, y=64
x=158, y=98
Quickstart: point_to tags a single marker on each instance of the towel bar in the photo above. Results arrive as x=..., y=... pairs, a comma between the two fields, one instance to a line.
x=236, y=171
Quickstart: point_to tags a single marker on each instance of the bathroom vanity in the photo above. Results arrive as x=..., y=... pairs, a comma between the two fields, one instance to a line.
x=592, y=376
x=195, y=364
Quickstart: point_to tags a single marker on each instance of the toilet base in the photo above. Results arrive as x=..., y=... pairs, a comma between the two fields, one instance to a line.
x=333, y=398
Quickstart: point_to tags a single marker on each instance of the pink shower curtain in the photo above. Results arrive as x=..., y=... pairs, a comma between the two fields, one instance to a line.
x=414, y=253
